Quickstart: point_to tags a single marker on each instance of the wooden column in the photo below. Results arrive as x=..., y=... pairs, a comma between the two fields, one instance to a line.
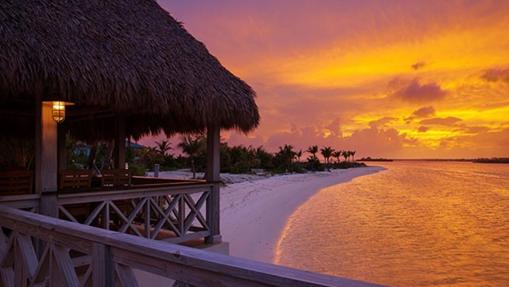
x=46, y=164
x=102, y=264
x=120, y=137
x=62, y=152
x=213, y=170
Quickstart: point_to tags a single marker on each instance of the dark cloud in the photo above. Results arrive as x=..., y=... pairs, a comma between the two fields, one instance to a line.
x=423, y=129
x=475, y=129
x=416, y=92
x=495, y=75
x=418, y=65
x=424, y=112
x=448, y=121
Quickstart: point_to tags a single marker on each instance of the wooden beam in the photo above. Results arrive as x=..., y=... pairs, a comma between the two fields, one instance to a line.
x=38, y=146
x=213, y=154
x=213, y=176
x=62, y=152
x=49, y=145
x=120, y=138
x=46, y=158
x=102, y=264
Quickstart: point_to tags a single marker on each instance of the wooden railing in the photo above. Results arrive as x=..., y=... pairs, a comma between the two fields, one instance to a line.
x=28, y=202
x=175, y=213
x=36, y=250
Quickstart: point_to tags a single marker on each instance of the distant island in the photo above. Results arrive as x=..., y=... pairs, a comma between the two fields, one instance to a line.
x=492, y=160
x=374, y=159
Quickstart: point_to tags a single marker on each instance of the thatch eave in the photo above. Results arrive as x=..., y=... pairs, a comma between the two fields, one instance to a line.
x=128, y=56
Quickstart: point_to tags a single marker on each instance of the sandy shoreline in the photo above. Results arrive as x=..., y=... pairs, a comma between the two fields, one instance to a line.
x=254, y=213
x=255, y=209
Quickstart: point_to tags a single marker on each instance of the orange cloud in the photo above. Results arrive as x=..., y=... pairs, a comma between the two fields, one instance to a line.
x=448, y=121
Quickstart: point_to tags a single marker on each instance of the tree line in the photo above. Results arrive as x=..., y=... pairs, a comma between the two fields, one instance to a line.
x=238, y=159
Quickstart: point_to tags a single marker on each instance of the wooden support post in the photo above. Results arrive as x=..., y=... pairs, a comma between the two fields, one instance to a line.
x=213, y=176
x=120, y=142
x=62, y=152
x=102, y=266
x=46, y=164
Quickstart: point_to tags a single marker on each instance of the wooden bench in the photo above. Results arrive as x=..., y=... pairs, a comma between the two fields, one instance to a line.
x=16, y=182
x=116, y=178
x=75, y=180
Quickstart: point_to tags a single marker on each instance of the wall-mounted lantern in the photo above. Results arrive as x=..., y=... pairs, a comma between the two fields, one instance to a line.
x=58, y=110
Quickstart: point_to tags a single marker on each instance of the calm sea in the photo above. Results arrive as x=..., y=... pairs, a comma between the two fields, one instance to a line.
x=414, y=224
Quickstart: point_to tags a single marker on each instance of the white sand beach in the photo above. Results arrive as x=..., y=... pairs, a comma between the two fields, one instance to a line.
x=255, y=209
x=254, y=213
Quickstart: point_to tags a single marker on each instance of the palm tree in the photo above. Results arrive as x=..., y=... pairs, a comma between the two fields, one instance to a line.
x=327, y=153
x=337, y=155
x=284, y=157
x=163, y=147
x=288, y=152
x=298, y=155
x=313, y=150
x=346, y=154
x=191, y=145
x=352, y=153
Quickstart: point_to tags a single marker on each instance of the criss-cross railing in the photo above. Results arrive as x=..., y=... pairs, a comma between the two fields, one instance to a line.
x=38, y=250
x=171, y=213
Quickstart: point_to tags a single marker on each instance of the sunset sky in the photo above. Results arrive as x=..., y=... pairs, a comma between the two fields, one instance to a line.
x=403, y=79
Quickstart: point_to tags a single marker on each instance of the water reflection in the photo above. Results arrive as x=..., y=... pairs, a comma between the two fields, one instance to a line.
x=415, y=224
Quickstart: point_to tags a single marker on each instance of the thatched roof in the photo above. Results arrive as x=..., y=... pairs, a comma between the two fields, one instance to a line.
x=127, y=56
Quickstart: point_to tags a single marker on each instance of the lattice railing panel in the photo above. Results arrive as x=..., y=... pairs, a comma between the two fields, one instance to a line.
x=37, y=250
x=175, y=217
x=28, y=261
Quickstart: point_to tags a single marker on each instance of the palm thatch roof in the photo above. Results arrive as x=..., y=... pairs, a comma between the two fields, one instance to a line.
x=128, y=56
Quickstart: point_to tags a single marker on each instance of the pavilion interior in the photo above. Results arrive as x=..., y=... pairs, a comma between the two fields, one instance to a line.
x=83, y=130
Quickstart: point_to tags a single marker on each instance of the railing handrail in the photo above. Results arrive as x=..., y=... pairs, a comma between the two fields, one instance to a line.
x=142, y=190
x=174, y=261
x=21, y=200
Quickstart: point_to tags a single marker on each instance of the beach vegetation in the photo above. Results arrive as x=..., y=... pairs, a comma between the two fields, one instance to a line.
x=191, y=153
x=327, y=154
x=192, y=145
x=337, y=155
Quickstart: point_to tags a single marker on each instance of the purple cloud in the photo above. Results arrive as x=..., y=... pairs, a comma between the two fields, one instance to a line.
x=416, y=92
x=424, y=112
x=423, y=129
x=418, y=65
x=495, y=75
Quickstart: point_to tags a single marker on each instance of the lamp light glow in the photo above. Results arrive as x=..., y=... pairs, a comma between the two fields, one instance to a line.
x=58, y=111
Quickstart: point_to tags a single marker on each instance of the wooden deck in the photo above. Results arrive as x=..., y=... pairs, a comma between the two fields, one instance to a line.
x=38, y=250
x=102, y=235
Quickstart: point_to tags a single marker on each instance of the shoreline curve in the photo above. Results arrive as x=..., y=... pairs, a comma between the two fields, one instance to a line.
x=254, y=213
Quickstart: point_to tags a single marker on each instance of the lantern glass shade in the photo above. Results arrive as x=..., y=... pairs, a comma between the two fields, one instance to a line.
x=58, y=111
